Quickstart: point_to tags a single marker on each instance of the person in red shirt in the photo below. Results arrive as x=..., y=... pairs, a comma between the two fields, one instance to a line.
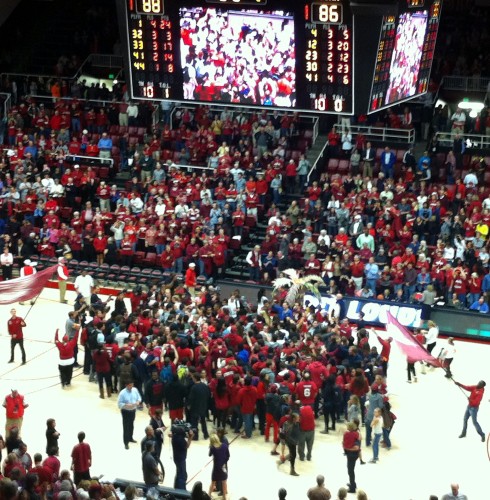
x=14, y=405
x=81, y=457
x=474, y=400
x=15, y=325
x=306, y=432
x=190, y=279
x=66, y=350
x=351, y=444
x=100, y=246
x=247, y=398
x=385, y=352
x=306, y=390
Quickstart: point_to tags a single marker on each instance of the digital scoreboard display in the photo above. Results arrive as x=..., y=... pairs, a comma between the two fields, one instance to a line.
x=405, y=54
x=265, y=53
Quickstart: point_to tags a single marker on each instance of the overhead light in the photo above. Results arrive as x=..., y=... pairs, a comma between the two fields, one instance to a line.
x=115, y=82
x=472, y=105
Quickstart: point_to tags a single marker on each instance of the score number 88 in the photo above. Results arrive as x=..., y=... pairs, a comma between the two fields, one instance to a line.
x=150, y=6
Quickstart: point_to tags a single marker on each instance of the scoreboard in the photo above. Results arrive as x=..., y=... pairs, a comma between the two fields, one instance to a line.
x=296, y=55
x=405, y=53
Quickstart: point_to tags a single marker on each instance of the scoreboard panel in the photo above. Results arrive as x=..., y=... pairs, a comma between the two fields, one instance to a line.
x=405, y=53
x=253, y=53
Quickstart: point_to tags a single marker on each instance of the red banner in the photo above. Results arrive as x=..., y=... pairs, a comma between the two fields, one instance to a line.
x=25, y=288
x=407, y=342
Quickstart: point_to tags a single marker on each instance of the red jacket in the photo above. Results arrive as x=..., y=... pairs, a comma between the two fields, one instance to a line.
x=247, y=397
x=306, y=418
x=190, y=277
x=67, y=350
x=476, y=395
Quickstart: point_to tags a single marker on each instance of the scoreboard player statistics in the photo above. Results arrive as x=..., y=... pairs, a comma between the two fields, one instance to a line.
x=253, y=53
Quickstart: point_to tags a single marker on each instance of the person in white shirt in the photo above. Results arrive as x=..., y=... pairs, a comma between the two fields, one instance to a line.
x=254, y=260
x=323, y=236
x=160, y=208
x=446, y=356
x=84, y=284
x=6, y=261
x=136, y=204
x=431, y=336
x=233, y=306
x=132, y=113
x=118, y=229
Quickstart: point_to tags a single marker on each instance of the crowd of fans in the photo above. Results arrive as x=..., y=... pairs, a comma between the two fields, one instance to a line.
x=387, y=226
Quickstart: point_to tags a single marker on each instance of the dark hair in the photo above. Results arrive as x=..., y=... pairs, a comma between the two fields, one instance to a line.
x=50, y=422
x=81, y=436
x=221, y=387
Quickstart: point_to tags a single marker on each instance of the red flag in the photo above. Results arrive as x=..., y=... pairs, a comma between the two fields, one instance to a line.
x=407, y=342
x=26, y=288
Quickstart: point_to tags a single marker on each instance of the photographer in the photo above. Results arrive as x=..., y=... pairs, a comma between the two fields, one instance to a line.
x=181, y=440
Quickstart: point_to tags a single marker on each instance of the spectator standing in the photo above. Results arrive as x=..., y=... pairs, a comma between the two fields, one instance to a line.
x=307, y=432
x=63, y=274
x=220, y=452
x=446, y=356
x=198, y=406
x=151, y=473
x=66, y=349
x=102, y=365
x=474, y=400
x=291, y=432
x=14, y=405
x=28, y=269
x=247, y=399
x=81, y=457
x=52, y=435
x=351, y=443
x=132, y=112
x=128, y=401
x=6, y=261
x=377, y=428
x=388, y=159
x=254, y=260
x=14, y=326
x=105, y=146
x=84, y=284
x=190, y=279
x=431, y=336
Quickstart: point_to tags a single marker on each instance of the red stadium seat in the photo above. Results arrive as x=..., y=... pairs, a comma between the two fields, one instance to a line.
x=344, y=167
x=333, y=165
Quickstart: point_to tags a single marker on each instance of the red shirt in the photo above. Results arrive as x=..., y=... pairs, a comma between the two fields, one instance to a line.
x=82, y=457
x=247, y=397
x=14, y=406
x=306, y=391
x=15, y=327
x=350, y=440
x=306, y=418
x=476, y=395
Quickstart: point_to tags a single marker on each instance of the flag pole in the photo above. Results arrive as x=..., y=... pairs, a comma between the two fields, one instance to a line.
x=32, y=304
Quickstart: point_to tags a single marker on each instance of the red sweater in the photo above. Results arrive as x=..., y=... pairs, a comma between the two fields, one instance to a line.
x=66, y=349
x=247, y=397
x=476, y=395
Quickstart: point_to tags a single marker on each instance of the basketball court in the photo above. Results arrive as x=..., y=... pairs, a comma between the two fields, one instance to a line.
x=425, y=458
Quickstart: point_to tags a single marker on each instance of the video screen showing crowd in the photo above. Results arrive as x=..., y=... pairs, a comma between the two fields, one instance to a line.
x=241, y=57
